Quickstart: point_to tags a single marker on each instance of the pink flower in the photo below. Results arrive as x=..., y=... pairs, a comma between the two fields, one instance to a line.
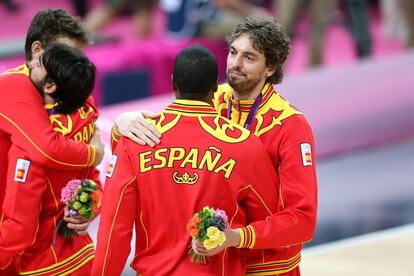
x=69, y=190
x=222, y=214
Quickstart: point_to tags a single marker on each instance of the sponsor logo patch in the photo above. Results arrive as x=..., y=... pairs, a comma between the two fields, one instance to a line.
x=306, y=152
x=111, y=166
x=22, y=170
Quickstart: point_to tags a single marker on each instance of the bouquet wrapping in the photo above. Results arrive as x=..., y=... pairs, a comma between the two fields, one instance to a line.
x=207, y=226
x=83, y=199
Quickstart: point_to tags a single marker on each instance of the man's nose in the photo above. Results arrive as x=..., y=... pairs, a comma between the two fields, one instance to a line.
x=237, y=62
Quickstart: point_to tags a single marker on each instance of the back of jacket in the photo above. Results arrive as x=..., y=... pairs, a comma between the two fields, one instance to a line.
x=202, y=160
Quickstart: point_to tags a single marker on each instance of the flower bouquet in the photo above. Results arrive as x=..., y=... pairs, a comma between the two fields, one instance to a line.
x=83, y=199
x=207, y=226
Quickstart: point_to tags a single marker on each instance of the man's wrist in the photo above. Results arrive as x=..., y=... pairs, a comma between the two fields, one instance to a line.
x=233, y=237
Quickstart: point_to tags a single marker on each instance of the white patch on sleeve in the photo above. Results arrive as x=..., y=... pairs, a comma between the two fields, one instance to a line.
x=22, y=170
x=111, y=166
x=306, y=151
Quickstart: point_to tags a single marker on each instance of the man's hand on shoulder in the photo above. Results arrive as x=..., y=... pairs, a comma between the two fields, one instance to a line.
x=134, y=126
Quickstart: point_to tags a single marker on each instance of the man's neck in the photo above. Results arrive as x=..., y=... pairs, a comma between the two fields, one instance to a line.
x=208, y=98
x=48, y=99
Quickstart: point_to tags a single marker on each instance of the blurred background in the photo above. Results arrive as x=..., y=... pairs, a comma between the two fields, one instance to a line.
x=351, y=71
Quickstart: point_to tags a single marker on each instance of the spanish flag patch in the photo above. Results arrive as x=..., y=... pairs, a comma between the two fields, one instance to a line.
x=22, y=170
x=111, y=166
x=306, y=152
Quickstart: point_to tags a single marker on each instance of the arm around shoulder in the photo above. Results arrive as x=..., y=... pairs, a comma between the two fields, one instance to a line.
x=23, y=117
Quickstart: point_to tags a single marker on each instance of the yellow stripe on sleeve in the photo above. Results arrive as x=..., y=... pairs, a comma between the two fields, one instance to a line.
x=242, y=238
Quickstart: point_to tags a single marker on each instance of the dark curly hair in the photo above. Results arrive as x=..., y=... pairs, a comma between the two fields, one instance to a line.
x=73, y=74
x=48, y=25
x=267, y=37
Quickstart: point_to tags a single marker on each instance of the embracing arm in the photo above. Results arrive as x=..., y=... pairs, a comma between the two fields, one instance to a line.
x=23, y=117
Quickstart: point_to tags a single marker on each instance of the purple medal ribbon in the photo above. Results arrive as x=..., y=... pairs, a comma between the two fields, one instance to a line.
x=252, y=112
x=52, y=111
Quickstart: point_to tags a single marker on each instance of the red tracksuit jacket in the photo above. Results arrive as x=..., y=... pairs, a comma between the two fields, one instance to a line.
x=202, y=160
x=24, y=122
x=32, y=206
x=288, y=138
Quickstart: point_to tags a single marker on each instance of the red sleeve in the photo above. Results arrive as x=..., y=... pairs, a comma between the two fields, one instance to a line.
x=260, y=196
x=295, y=221
x=22, y=205
x=24, y=118
x=117, y=215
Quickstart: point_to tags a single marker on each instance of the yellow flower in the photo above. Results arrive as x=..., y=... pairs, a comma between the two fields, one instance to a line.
x=77, y=205
x=210, y=244
x=84, y=197
x=221, y=239
x=83, y=211
x=213, y=233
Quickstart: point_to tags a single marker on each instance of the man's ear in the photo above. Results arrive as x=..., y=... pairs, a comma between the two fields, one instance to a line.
x=37, y=49
x=270, y=71
x=49, y=88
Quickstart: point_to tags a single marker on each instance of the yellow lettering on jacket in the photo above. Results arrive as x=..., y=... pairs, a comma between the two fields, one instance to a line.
x=85, y=134
x=61, y=123
x=191, y=158
x=211, y=160
x=161, y=158
x=143, y=160
x=83, y=113
x=176, y=154
x=226, y=167
x=208, y=159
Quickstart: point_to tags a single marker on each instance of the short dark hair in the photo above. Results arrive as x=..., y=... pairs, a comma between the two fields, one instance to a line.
x=267, y=37
x=48, y=25
x=195, y=72
x=73, y=74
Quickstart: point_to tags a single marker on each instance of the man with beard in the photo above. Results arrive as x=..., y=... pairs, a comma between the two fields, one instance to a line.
x=23, y=120
x=258, y=49
x=32, y=206
x=198, y=164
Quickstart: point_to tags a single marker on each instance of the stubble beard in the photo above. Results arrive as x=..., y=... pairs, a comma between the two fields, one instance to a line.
x=39, y=84
x=243, y=87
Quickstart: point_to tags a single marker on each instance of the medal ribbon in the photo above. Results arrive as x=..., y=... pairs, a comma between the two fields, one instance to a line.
x=252, y=112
